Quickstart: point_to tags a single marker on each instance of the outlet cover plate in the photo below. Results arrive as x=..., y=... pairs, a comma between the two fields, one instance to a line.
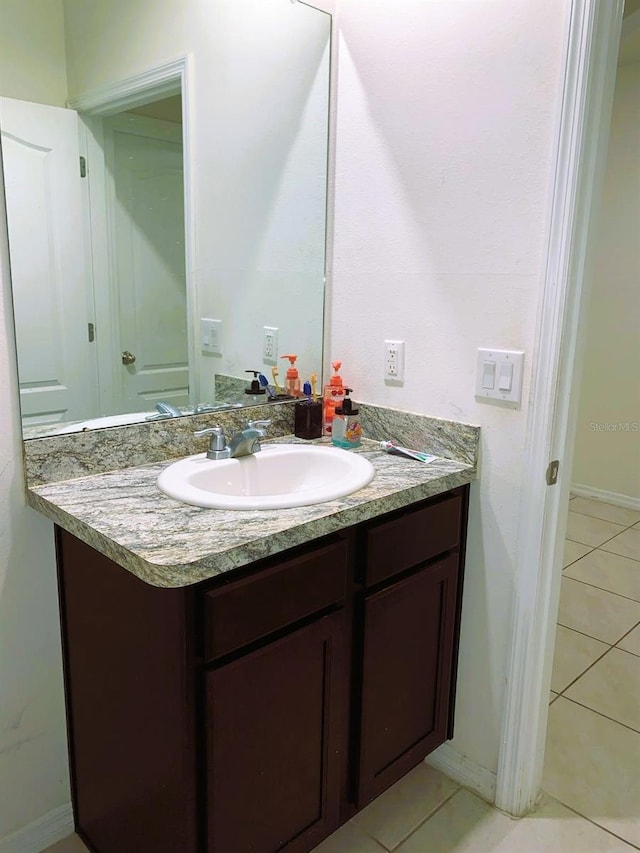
x=270, y=344
x=394, y=362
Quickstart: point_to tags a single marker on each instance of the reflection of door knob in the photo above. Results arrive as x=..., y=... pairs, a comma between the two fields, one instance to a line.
x=128, y=357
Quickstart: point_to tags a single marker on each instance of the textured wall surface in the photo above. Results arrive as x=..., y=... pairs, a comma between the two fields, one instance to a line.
x=446, y=130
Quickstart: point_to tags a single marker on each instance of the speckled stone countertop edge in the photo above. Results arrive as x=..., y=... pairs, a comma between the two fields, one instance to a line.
x=168, y=544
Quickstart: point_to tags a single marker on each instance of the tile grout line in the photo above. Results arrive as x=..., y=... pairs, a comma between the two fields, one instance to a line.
x=594, y=823
x=606, y=642
x=590, y=551
x=422, y=822
x=625, y=528
x=600, y=714
x=593, y=548
x=602, y=589
x=611, y=646
x=584, y=672
x=608, y=521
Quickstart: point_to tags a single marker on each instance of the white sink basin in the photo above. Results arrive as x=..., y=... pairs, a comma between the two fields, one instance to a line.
x=277, y=477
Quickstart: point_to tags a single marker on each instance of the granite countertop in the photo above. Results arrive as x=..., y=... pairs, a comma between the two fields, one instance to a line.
x=167, y=543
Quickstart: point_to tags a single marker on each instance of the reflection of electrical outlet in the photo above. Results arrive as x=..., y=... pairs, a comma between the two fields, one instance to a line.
x=211, y=336
x=270, y=344
x=394, y=361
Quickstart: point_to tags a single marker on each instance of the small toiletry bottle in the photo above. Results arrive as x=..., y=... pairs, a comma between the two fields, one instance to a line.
x=332, y=397
x=292, y=380
x=346, y=428
x=255, y=393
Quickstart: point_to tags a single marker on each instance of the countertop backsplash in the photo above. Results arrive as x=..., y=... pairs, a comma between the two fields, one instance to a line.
x=65, y=457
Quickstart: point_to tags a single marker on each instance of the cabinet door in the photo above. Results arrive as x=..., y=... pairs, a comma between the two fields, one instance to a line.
x=408, y=646
x=275, y=735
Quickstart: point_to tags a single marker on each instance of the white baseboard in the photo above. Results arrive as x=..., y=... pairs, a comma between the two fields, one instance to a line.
x=626, y=501
x=464, y=771
x=42, y=833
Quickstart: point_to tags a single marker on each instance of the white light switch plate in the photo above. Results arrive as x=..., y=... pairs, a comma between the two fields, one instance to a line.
x=497, y=365
x=211, y=336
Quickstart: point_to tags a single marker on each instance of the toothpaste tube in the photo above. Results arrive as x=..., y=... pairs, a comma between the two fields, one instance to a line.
x=395, y=450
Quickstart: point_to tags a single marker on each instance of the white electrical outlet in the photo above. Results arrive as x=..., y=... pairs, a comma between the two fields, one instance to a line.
x=394, y=361
x=270, y=344
x=211, y=336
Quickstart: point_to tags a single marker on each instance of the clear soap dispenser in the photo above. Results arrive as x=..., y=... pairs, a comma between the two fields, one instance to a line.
x=332, y=396
x=346, y=428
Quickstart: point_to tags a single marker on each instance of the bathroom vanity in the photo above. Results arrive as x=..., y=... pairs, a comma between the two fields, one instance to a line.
x=259, y=710
x=248, y=680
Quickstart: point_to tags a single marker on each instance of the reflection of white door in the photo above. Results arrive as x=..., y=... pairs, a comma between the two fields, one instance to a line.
x=145, y=198
x=44, y=210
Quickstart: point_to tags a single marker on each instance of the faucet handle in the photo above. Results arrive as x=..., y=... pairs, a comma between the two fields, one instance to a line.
x=259, y=426
x=217, y=441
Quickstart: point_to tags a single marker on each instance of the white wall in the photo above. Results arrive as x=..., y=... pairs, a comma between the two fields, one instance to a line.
x=258, y=118
x=33, y=28
x=33, y=749
x=607, y=453
x=447, y=114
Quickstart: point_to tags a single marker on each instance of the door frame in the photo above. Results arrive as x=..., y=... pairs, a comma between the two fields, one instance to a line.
x=583, y=132
x=162, y=81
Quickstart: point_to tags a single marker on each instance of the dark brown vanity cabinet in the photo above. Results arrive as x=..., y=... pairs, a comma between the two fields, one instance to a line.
x=260, y=710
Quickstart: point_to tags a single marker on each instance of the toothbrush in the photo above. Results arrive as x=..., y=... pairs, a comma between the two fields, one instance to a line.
x=262, y=379
x=314, y=379
x=306, y=389
x=395, y=450
x=274, y=373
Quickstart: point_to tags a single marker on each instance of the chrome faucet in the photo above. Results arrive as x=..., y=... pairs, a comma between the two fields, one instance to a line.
x=202, y=408
x=164, y=410
x=247, y=441
x=243, y=443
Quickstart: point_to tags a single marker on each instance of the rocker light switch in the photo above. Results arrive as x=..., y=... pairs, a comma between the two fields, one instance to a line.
x=506, y=376
x=489, y=375
x=499, y=375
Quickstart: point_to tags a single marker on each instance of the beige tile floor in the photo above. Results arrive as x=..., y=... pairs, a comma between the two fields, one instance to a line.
x=592, y=759
x=427, y=813
x=592, y=766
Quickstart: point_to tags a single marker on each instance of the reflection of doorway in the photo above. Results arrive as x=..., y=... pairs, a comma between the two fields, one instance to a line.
x=48, y=267
x=114, y=280
x=144, y=241
x=160, y=94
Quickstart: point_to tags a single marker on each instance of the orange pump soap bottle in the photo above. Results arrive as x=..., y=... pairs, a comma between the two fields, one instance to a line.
x=332, y=397
x=292, y=380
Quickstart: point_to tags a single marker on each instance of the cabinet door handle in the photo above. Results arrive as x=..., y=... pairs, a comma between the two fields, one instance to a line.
x=128, y=357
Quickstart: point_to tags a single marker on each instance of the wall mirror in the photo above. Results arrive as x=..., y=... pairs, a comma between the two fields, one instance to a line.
x=167, y=222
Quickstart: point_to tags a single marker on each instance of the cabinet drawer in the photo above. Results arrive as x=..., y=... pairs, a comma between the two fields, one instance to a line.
x=410, y=539
x=274, y=598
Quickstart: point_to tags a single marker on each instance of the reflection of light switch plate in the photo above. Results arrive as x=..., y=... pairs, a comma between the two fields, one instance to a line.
x=211, y=336
x=499, y=374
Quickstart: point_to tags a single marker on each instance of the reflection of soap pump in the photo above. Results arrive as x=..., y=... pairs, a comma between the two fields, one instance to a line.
x=292, y=380
x=255, y=390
